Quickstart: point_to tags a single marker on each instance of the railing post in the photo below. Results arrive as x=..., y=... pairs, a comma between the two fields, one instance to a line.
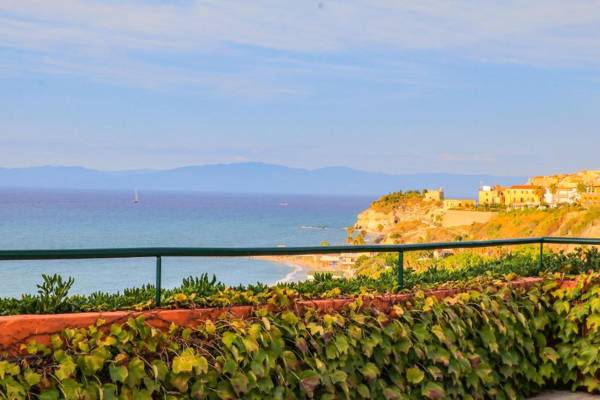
x=158, y=280
x=401, y=270
x=541, y=261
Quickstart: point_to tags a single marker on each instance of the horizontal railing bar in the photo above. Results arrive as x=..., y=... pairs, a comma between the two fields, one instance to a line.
x=569, y=240
x=142, y=252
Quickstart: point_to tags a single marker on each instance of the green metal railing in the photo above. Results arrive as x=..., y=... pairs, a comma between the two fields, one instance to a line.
x=159, y=252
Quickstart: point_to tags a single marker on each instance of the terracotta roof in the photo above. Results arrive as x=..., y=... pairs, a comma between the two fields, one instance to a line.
x=522, y=187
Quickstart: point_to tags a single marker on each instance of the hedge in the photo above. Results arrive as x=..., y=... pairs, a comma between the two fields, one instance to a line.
x=53, y=294
x=493, y=342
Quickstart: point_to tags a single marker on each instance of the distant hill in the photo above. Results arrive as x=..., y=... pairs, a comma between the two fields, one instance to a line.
x=248, y=178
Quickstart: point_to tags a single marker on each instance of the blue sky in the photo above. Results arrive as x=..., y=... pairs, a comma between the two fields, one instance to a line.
x=507, y=88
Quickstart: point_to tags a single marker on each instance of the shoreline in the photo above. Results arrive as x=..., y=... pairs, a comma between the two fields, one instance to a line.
x=303, y=267
x=297, y=274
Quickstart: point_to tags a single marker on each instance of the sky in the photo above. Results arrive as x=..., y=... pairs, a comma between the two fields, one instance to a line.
x=457, y=86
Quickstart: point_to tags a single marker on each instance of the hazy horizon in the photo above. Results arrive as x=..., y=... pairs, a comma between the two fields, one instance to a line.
x=151, y=169
x=248, y=178
x=316, y=168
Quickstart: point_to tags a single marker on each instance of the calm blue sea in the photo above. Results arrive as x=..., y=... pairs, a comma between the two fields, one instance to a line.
x=49, y=219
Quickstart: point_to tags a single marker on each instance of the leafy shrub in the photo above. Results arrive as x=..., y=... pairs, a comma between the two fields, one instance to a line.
x=203, y=291
x=494, y=342
x=396, y=199
x=575, y=324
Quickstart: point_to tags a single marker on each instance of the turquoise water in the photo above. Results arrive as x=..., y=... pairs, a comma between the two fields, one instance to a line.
x=46, y=219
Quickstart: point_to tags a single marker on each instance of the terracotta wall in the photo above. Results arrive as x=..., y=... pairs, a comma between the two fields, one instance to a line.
x=18, y=329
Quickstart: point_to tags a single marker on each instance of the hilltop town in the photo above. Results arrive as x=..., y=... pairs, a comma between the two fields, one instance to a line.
x=558, y=205
x=581, y=188
x=565, y=204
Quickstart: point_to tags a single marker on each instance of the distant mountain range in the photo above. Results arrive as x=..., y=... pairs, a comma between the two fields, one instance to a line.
x=248, y=178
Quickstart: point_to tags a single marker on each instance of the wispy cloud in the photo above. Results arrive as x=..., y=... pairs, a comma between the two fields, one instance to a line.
x=129, y=41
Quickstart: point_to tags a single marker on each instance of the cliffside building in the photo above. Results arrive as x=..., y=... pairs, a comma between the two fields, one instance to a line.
x=523, y=196
x=434, y=195
x=459, y=204
x=566, y=195
x=489, y=196
x=591, y=196
x=570, y=181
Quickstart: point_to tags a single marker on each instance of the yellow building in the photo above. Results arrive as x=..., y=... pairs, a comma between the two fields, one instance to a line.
x=459, y=203
x=434, y=195
x=489, y=196
x=523, y=195
x=591, y=197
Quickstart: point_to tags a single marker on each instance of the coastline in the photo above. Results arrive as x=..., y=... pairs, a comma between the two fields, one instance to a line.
x=297, y=274
x=303, y=267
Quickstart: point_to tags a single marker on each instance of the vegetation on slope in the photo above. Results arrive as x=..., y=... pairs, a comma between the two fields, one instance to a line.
x=397, y=199
x=561, y=221
x=493, y=342
x=407, y=217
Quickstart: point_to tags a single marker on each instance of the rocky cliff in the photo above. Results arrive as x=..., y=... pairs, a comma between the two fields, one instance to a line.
x=407, y=219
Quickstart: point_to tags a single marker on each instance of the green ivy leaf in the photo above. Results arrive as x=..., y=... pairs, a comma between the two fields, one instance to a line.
x=228, y=339
x=342, y=344
x=289, y=317
x=363, y=391
x=185, y=362
x=433, y=391
x=7, y=368
x=414, y=375
x=136, y=372
x=229, y=366
x=593, y=322
x=550, y=354
x=309, y=381
x=180, y=381
x=93, y=362
x=239, y=381
x=159, y=370
x=391, y=393
x=118, y=373
x=370, y=371
x=32, y=378
x=66, y=368
x=489, y=339
x=251, y=345
x=71, y=389
x=50, y=394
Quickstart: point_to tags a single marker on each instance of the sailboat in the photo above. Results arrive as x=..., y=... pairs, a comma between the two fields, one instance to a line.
x=136, y=197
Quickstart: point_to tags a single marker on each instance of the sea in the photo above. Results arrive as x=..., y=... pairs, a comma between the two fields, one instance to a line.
x=71, y=219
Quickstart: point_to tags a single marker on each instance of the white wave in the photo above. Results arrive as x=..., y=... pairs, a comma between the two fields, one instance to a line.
x=296, y=274
x=321, y=227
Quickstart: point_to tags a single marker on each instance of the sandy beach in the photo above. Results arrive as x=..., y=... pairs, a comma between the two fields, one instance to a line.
x=305, y=266
x=297, y=274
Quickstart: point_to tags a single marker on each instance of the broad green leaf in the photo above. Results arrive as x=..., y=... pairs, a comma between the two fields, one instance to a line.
x=370, y=371
x=50, y=394
x=414, y=375
x=239, y=381
x=433, y=391
x=309, y=381
x=185, y=362
x=118, y=373
x=32, y=378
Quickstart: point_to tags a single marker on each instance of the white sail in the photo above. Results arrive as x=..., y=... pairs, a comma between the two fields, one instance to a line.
x=136, y=196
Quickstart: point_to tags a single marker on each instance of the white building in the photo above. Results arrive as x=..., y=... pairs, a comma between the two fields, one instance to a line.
x=567, y=195
x=548, y=197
